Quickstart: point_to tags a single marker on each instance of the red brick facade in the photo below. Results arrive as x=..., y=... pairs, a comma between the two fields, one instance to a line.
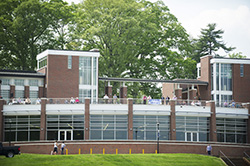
x=61, y=81
x=231, y=150
x=241, y=87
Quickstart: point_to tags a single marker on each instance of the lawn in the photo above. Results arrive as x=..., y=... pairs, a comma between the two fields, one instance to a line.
x=111, y=160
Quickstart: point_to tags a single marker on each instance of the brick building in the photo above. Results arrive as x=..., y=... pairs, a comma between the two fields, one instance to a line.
x=95, y=124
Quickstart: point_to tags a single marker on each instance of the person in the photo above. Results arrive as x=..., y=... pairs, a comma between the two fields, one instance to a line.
x=115, y=98
x=225, y=104
x=198, y=103
x=233, y=104
x=106, y=98
x=38, y=101
x=55, y=148
x=62, y=148
x=209, y=149
x=72, y=100
x=162, y=100
x=144, y=99
x=77, y=100
x=167, y=100
x=27, y=100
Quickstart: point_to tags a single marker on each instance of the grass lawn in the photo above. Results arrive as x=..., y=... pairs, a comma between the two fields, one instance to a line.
x=111, y=159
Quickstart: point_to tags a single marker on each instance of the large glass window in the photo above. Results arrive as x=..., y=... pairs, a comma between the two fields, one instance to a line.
x=19, y=82
x=108, y=127
x=192, y=126
x=84, y=93
x=231, y=130
x=33, y=94
x=33, y=82
x=19, y=93
x=5, y=81
x=22, y=128
x=85, y=64
x=226, y=77
x=145, y=127
x=5, y=94
x=74, y=123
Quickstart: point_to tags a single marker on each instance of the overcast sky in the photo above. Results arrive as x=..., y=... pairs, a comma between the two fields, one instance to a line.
x=232, y=16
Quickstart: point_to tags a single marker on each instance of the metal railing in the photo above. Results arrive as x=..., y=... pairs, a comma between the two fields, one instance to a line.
x=226, y=158
x=22, y=101
x=245, y=154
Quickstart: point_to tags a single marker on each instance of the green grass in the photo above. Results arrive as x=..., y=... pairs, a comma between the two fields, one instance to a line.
x=111, y=160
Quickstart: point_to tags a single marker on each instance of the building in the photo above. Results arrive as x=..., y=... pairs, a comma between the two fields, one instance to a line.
x=228, y=80
x=95, y=124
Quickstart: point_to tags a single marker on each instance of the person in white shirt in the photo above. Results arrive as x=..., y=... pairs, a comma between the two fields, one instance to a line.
x=62, y=148
x=55, y=148
x=106, y=98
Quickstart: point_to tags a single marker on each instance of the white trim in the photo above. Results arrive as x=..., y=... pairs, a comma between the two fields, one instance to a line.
x=230, y=61
x=67, y=53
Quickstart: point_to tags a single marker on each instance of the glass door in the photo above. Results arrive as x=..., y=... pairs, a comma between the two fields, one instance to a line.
x=192, y=136
x=64, y=135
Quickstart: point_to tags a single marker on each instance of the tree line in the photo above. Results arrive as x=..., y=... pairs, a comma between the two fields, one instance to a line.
x=136, y=38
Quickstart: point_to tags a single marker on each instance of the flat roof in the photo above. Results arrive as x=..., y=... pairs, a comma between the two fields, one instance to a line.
x=93, y=53
x=179, y=81
x=19, y=73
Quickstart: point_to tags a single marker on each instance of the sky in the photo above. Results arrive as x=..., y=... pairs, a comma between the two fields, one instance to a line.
x=232, y=16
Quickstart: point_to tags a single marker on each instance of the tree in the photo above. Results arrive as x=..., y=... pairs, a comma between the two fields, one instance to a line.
x=28, y=27
x=135, y=39
x=209, y=42
x=237, y=55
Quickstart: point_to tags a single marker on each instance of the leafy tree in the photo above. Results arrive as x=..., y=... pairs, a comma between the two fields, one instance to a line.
x=137, y=39
x=209, y=42
x=28, y=27
x=237, y=55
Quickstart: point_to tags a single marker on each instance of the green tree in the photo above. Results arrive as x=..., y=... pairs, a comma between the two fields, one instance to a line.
x=237, y=55
x=135, y=39
x=29, y=27
x=209, y=42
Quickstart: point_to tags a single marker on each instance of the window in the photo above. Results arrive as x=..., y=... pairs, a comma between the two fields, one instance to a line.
x=65, y=122
x=19, y=93
x=23, y=128
x=33, y=82
x=145, y=127
x=33, y=94
x=231, y=130
x=85, y=65
x=226, y=77
x=19, y=82
x=241, y=70
x=69, y=62
x=42, y=62
x=5, y=94
x=186, y=125
x=108, y=127
x=5, y=81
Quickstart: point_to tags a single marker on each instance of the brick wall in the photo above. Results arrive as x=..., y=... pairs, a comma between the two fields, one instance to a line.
x=241, y=88
x=123, y=147
x=62, y=82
